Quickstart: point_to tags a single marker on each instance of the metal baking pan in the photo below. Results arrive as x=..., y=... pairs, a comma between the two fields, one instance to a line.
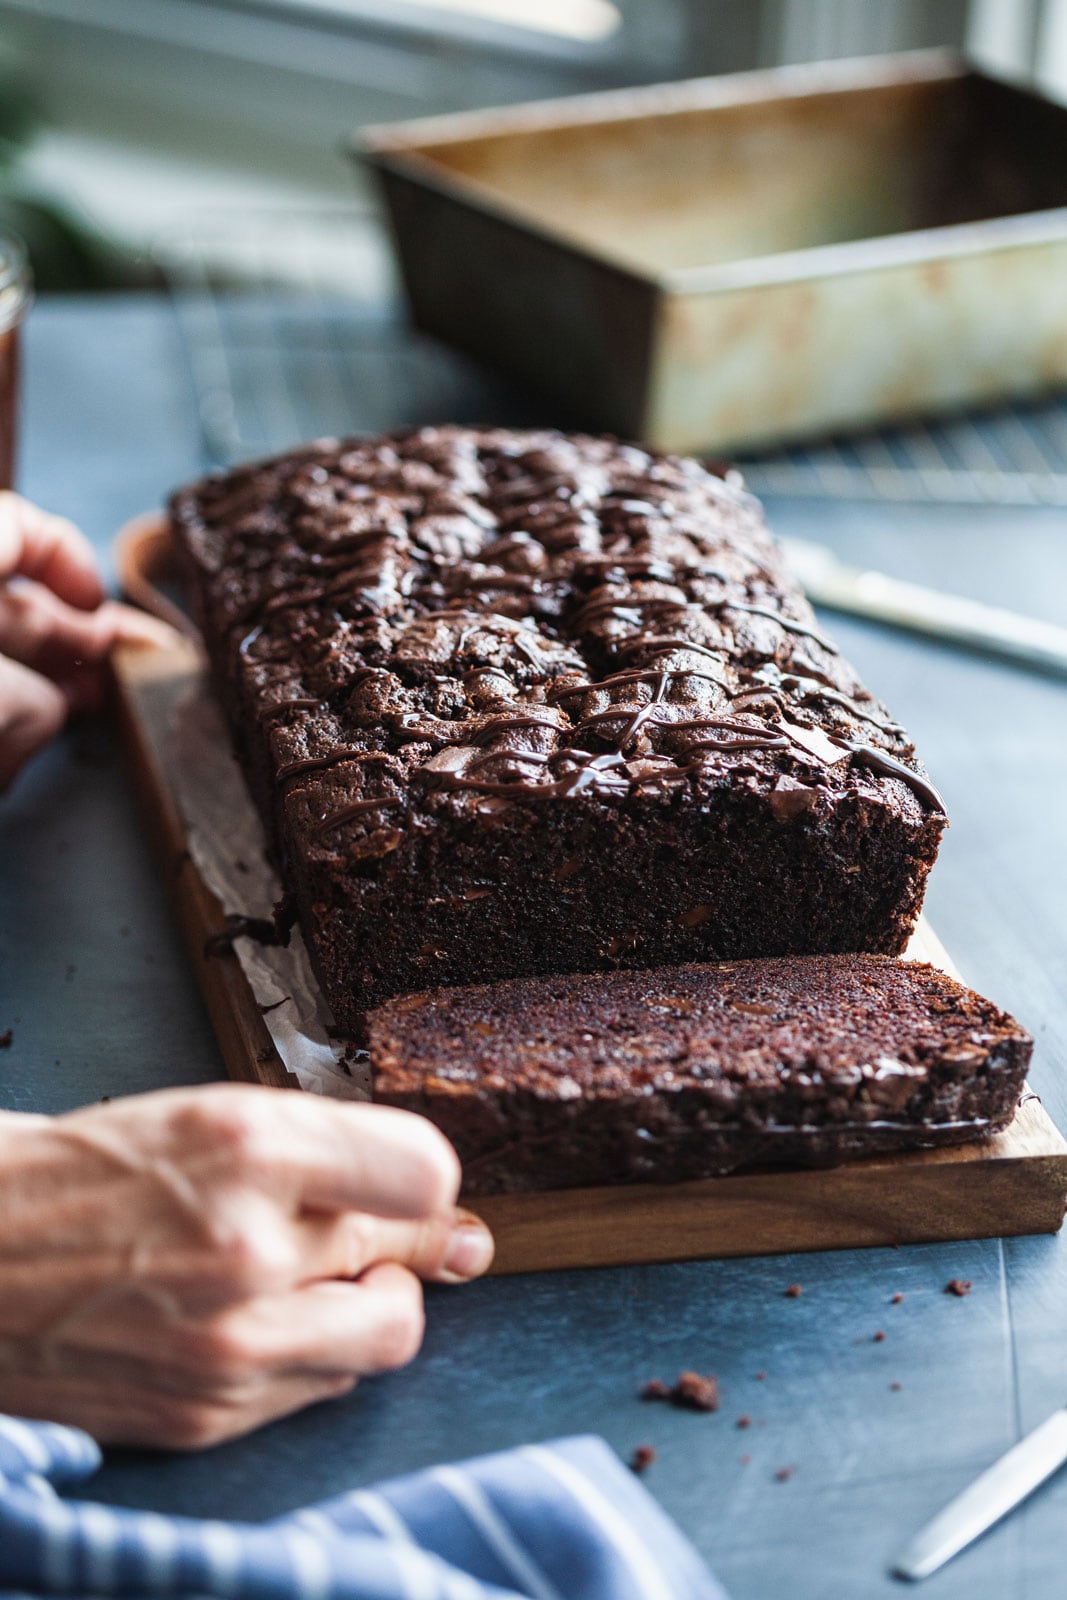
x=749, y=259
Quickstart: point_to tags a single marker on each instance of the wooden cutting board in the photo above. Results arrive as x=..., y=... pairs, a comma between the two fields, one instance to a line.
x=1015, y=1183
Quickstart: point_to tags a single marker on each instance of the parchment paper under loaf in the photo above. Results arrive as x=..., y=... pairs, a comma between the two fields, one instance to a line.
x=228, y=846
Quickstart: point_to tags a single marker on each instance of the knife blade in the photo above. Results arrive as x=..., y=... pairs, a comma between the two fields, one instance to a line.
x=827, y=581
x=999, y=1490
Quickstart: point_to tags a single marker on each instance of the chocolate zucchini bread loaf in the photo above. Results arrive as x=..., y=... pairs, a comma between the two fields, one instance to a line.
x=520, y=703
x=689, y=1072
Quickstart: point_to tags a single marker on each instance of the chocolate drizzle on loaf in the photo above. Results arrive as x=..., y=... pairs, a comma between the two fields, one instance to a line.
x=879, y=761
x=357, y=808
x=480, y=655
x=301, y=769
x=282, y=708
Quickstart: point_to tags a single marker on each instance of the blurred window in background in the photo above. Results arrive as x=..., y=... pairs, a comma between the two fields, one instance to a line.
x=570, y=19
x=120, y=119
x=202, y=143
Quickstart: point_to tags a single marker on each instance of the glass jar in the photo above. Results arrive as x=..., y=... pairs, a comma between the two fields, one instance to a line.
x=15, y=294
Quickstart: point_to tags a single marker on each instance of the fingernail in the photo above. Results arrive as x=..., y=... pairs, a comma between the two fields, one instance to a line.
x=470, y=1249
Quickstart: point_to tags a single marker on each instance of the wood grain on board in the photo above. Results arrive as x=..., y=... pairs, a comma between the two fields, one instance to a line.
x=1014, y=1183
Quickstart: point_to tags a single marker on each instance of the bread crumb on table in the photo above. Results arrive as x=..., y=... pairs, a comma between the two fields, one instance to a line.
x=693, y=1391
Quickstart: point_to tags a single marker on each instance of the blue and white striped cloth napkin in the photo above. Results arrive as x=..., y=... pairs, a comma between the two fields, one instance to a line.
x=559, y=1521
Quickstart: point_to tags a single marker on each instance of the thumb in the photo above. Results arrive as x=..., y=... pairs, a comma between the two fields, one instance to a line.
x=450, y=1247
x=32, y=711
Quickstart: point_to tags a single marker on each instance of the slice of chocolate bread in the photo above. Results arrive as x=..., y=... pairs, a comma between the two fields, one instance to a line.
x=689, y=1072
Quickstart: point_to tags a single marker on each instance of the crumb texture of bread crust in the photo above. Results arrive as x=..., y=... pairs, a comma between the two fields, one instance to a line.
x=512, y=703
x=694, y=1071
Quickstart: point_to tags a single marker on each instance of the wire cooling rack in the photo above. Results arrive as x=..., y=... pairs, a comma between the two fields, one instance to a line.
x=1014, y=455
x=293, y=327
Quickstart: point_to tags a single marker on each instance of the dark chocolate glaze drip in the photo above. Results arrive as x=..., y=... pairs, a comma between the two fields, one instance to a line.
x=789, y=623
x=347, y=544
x=509, y=543
x=523, y=643
x=281, y=708
x=288, y=599
x=803, y=668
x=660, y=643
x=522, y=582
x=343, y=754
x=813, y=690
x=290, y=596
x=361, y=674
x=635, y=566
x=306, y=562
x=853, y=708
x=625, y=608
x=348, y=813
x=511, y=722
x=879, y=761
x=596, y=774
x=535, y=758
x=752, y=740
x=637, y=675
x=530, y=651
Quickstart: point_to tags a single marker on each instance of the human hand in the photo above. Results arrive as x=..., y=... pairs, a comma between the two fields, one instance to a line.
x=178, y=1268
x=56, y=628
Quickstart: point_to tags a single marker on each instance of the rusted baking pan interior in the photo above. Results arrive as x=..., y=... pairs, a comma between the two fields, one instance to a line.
x=617, y=249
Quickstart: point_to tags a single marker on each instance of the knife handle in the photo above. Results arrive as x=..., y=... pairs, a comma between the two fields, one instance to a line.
x=945, y=616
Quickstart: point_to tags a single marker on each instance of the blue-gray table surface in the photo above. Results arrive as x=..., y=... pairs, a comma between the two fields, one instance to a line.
x=95, y=986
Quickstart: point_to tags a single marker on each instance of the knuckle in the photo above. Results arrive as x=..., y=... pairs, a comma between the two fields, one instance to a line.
x=400, y=1334
x=40, y=719
x=359, y=1234
x=64, y=531
x=452, y=1172
x=255, y=1254
x=195, y=1425
x=232, y=1123
x=222, y=1350
x=339, y=1384
x=430, y=1245
x=437, y=1176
